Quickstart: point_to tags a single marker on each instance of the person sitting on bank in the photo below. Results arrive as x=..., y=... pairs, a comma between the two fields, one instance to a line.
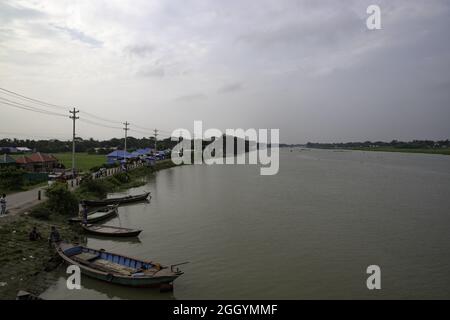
x=54, y=236
x=34, y=235
x=3, y=204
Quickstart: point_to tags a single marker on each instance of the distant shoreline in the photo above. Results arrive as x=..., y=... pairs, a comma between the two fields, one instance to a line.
x=445, y=151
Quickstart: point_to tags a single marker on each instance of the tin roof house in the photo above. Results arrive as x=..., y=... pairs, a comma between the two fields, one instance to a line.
x=38, y=162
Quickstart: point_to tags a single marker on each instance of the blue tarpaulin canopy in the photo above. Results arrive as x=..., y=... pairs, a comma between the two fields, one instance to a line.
x=118, y=155
x=142, y=152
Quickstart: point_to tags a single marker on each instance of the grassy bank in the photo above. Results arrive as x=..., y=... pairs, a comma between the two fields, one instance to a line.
x=23, y=263
x=444, y=151
x=22, y=260
x=97, y=189
x=83, y=160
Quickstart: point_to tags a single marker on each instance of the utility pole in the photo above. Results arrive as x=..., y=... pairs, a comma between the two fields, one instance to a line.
x=156, y=135
x=126, y=124
x=74, y=118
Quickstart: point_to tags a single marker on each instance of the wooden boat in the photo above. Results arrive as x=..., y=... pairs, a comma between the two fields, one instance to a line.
x=98, y=215
x=120, y=200
x=25, y=295
x=117, y=268
x=110, y=231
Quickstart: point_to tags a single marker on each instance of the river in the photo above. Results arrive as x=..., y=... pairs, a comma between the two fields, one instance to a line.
x=308, y=232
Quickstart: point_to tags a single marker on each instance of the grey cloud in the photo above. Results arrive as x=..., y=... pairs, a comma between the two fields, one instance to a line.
x=9, y=13
x=328, y=29
x=232, y=87
x=314, y=68
x=191, y=97
x=79, y=36
x=141, y=50
x=152, y=71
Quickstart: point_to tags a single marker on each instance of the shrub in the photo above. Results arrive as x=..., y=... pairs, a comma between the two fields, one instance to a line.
x=121, y=177
x=97, y=188
x=61, y=200
x=12, y=178
x=41, y=212
x=105, y=165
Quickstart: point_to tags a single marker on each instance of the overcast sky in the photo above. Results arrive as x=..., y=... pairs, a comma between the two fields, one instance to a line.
x=310, y=68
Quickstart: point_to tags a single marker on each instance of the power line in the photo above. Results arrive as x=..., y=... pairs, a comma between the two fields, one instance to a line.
x=28, y=108
x=12, y=93
x=141, y=132
x=47, y=104
x=100, y=118
x=42, y=103
x=148, y=130
x=35, y=136
x=99, y=124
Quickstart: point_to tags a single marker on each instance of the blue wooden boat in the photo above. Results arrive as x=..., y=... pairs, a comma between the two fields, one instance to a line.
x=117, y=268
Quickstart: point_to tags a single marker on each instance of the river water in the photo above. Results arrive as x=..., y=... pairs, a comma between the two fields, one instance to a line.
x=308, y=232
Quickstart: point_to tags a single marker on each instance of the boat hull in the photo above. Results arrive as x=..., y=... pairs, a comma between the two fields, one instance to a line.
x=136, y=283
x=125, y=233
x=122, y=200
x=97, y=216
x=162, y=276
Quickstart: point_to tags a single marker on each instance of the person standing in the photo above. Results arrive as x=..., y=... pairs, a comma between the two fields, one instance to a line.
x=3, y=204
x=85, y=214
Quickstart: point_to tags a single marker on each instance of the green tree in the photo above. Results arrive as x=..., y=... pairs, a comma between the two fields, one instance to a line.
x=12, y=178
x=61, y=200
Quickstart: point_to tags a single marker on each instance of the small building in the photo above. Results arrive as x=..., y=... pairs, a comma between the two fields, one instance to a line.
x=7, y=161
x=118, y=155
x=38, y=162
x=23, y=149
x=8, y=150
x=25, y=163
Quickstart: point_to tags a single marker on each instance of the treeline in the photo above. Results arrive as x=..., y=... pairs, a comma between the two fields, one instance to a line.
x=89, y=145
x=415, y=144
x=286, y=145
x=97, y=146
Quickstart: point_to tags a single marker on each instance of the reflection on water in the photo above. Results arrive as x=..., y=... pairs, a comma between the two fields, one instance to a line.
x=308, y=232
x=93, y=289
x=129, y=240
